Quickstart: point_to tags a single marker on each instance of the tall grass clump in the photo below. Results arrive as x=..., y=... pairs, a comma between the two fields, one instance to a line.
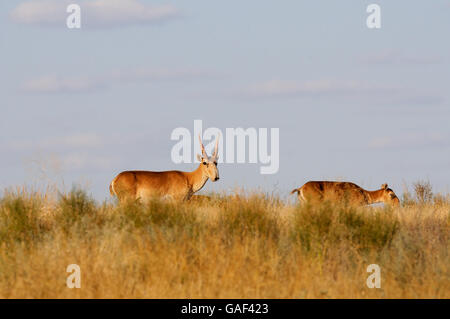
x=253, y=216
x=19, y=217
x=246, y=246
x=322, y=226
x=166, y=218
x=423, y=191
x=77, y=209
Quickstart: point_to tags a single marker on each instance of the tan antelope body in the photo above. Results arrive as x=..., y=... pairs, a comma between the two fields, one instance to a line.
x=177, y=185
x=317, y=191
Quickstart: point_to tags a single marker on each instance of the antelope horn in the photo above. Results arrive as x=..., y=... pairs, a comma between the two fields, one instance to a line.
x=203, y=147
x=217, y=146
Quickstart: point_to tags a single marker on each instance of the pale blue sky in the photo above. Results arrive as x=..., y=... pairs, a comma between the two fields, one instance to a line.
x=370, y=106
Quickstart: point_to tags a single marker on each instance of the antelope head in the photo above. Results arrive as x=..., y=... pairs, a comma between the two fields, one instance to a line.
x=209, y=164
x=389, y=196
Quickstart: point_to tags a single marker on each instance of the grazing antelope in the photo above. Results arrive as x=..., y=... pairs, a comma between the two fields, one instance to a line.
x=173, y=184
x=338, y=191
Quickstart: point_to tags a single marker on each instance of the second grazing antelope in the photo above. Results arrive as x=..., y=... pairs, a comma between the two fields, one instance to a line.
x=316, y=191
x=173, y=184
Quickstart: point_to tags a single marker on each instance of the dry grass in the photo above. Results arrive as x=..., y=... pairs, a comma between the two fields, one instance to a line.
x=253, y=246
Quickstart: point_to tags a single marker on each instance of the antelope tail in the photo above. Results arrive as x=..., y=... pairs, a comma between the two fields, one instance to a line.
x=297, y=190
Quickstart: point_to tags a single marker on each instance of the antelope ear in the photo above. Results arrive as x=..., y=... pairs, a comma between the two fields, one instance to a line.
x=384, y=186
x=200, y=158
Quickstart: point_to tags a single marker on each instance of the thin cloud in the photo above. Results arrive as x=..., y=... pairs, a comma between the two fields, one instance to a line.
x=49, y=165
x=148, y=75
x=77, y=84
x=410, y=141
x=350, y=90
x=57, y=84
x=396, y=57
x=96, y=13
x=282, y=88
x=422, y=100
x=43, y=12
x=79, y=140
x=82, y=160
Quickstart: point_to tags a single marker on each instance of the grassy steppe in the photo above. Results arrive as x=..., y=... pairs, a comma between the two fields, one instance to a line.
x=247, y=246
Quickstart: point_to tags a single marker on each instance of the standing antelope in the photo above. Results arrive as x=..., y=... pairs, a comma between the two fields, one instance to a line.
x=338, y=191
x=174, y=184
